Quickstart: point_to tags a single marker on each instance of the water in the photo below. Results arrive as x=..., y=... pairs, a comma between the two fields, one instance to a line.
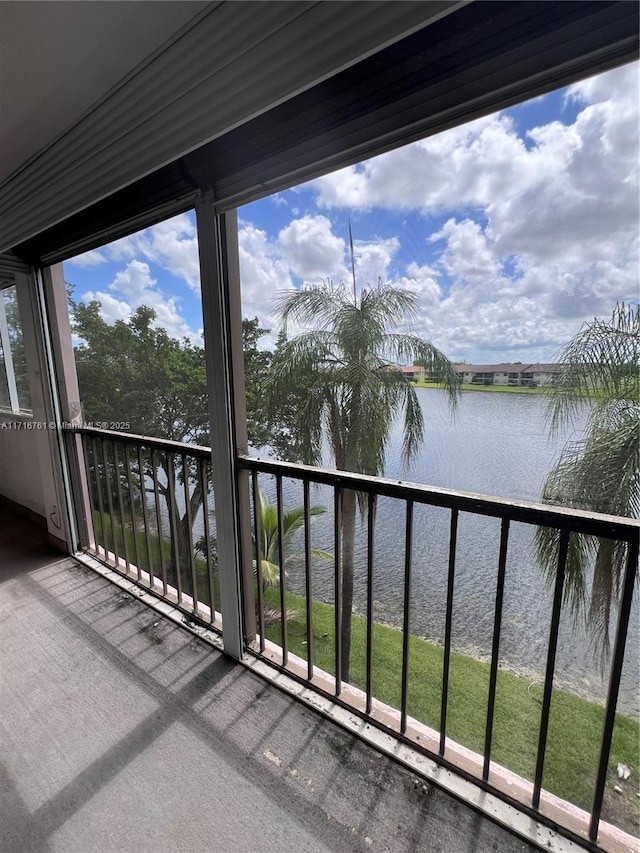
x=498, y=444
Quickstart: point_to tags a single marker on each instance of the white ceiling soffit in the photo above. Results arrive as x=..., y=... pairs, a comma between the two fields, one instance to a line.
x=57, y=60
x=239, y=60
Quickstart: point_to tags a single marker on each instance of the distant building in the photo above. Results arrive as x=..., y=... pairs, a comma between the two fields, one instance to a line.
x=413, y=373
x=510, y=373
x=539, y=375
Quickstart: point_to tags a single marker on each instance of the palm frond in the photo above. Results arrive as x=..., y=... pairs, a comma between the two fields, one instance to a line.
x=354, y=392
x=292, y=524
x=599, y=365
x=601, y=471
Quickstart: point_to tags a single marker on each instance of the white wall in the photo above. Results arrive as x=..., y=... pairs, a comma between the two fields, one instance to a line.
x=20, y=478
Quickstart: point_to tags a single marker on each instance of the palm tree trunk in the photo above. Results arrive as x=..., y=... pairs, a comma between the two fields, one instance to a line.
x=180, y=542
x=348, y=527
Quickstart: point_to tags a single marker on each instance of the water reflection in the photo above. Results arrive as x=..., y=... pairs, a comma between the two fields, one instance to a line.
x=497, y=445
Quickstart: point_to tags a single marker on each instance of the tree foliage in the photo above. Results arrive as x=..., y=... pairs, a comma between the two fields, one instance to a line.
x=352, y=391
x=134, y=372
x=600, y=472
x=257, y=363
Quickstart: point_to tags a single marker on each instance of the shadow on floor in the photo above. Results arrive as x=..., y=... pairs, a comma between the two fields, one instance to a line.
x=123, y=732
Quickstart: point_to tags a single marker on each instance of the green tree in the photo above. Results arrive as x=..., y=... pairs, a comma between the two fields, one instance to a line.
x=346, y=363
x=285, y=438
x=599, y=369
x=256, y=369
x=135, y=372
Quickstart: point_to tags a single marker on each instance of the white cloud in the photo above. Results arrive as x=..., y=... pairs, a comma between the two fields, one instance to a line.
x=112, y=309
x=468, y=254
x=134, y=286
x=306, y=250
x=373, y=259
x=543, y=225
x=172, y=244
x=312, y=249
x=263, y=272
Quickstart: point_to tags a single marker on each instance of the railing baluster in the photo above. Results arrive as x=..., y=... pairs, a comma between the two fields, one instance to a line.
x=307, y=577
x=156, y=494
x=551, y=663
x=257, y=529
x=173, y=524
x=281, y=560
x=134, y=521
x=204, y=485
x=453, y=540
x=123, y=527
x=497, y=624
x=99, y=484
x=408, y=555
x=112, y=518
x=614, y=684
x=337, y=505
x=87, y=467
x=189, y=515
x=145, y=516
x=371, y=510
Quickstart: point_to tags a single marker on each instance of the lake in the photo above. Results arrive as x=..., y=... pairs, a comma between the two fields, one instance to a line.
x=498, y=445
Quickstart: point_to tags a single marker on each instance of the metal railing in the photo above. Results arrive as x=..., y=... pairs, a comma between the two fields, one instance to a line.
x=370, y=489
x=151, y=519
x=146, y=496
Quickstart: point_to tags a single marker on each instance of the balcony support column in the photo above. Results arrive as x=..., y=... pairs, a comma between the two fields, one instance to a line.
x=65, y=405
x=222, y=315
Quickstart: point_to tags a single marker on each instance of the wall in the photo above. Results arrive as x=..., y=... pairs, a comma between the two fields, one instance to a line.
x=20, y=478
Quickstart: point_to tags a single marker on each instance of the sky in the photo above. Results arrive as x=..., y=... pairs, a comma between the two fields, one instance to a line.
x=513, y=230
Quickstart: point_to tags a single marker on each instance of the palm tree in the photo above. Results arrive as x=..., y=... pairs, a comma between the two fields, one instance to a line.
x=601, y=471
x=292, y=523
x=353, y=390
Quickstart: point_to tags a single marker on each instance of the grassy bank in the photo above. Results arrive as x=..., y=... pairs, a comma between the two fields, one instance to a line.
x=575, y=725
x=492, y=389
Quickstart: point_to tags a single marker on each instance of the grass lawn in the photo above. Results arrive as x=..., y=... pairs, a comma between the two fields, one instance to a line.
x=494, y=389
x=575, y=725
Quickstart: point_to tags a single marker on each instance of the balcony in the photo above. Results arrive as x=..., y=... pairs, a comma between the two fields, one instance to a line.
x=123, y=730
x=159, y=690
x=142, y=491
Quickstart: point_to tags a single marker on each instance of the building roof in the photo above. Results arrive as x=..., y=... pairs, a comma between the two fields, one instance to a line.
x=508, y=367
x=491, y=368
x=542, y=368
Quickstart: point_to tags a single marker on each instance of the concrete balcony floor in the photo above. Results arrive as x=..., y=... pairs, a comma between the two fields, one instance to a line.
x=121, y=731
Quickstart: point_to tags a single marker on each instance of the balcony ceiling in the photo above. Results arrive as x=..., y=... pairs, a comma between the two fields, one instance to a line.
x=58, y=59
x=78, y=169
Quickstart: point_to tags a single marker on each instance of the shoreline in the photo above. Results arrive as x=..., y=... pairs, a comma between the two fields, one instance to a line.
x=491, y=389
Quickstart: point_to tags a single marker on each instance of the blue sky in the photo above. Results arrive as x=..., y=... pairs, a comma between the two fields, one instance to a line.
x=512, y=230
